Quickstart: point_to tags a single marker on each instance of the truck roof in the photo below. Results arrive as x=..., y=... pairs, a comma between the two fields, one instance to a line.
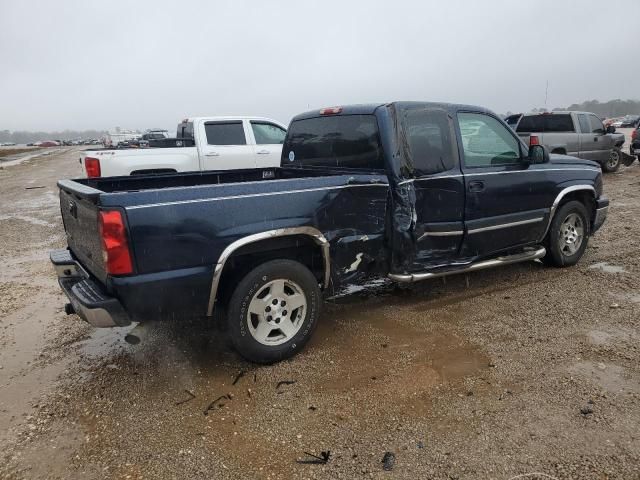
x=370, y=108
x=556, y=112
x=228, y=117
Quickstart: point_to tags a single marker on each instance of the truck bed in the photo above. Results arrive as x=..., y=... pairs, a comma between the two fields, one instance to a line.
x=178, y=221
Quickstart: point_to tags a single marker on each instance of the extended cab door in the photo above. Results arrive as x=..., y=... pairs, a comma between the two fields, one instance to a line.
x=267, y=138
x=506, y=198
x=223, y=145
x=594, y=143
x=430, y=143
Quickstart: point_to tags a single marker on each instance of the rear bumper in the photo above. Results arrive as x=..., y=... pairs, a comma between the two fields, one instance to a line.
x=88, y=298
x=602, y=209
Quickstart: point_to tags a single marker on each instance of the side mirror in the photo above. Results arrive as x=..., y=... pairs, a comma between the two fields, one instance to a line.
x=538, y=154
x=611, y=129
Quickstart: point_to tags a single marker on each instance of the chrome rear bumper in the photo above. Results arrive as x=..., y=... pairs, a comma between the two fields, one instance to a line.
x=87, y=296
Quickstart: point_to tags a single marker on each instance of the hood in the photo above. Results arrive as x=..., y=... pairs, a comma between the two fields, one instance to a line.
x=557, y=159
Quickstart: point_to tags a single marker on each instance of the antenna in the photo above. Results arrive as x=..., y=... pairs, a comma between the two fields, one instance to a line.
x=546, y=95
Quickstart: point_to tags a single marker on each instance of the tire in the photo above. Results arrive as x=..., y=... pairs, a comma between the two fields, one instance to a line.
x=561, y=251
x=613, y=163
x=264, y=332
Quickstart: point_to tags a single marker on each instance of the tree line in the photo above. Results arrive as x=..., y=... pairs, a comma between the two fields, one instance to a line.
x=29, y=137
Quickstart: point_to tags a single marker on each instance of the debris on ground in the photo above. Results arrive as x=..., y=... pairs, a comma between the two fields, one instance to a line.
x=238, y=377
x=284, y=382
x=315, y=459
x=388, y=461
x=215, y=403
x=191, y=397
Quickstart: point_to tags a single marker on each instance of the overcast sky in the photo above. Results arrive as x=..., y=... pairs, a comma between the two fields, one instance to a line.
x=139, y=64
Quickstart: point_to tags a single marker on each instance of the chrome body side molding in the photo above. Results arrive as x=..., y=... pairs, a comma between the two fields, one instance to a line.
x=312, y=232
x=561, y=195
x=505, y=225
x=494, y=262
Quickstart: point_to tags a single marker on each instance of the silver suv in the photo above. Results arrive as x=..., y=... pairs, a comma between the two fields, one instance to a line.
x=579, y=134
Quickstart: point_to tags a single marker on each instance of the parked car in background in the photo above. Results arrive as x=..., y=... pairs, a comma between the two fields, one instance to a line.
x=579, y=134
x=155, y=134
x=630, y=121
x=406, y=190
x=113, y=139
x=202, y=143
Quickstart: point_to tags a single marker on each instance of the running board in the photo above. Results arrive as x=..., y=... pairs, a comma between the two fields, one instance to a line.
x=494, y=262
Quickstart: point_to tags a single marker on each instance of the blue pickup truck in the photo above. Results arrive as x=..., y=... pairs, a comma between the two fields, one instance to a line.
x=404, y=190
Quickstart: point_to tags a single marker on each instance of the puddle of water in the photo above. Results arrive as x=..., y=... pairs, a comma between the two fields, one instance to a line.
x=371, y=345
x=606, y=267
x=28, y=219
x=632, y=297
x=609, y=377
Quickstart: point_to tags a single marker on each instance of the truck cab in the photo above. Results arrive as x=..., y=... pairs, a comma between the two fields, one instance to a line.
x=202, y=143
x=578, y=134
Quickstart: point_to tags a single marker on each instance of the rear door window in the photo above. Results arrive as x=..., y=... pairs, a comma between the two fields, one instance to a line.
x=430, y=141
x=346, y=141
x=225, y=133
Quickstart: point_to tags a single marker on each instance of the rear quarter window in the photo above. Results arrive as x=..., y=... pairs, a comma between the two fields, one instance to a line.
x=345, y=141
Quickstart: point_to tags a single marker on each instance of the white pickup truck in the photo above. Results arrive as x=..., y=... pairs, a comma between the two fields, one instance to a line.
x=202, y=143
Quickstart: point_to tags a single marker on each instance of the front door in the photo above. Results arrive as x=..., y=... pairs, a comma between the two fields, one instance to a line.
x=268, y=140
x=595, y=144
x=226, y=146
x=506, y=198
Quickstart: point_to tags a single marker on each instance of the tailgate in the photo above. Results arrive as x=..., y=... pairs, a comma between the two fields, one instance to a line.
x=80, y=218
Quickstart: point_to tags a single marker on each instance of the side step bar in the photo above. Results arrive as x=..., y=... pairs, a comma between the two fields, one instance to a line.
x=472, y=267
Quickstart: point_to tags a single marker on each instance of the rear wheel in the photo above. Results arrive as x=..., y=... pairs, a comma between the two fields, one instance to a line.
x=568, y=235
x=274, y=311
x=613, y=163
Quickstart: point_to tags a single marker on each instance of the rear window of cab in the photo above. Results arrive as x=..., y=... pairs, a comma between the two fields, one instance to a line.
x=344, y=141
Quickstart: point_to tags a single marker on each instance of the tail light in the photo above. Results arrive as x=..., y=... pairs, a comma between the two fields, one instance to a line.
x=534, y=140
x=331, y=111
x=115, y=247
x=92, y=166
x=634, y=134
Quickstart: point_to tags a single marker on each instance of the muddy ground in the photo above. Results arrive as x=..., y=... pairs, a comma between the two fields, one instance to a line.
x=518, y=370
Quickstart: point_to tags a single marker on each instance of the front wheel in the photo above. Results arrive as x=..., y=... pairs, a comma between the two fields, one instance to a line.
x=568, y=235
x=274, y=311
x=613, y=163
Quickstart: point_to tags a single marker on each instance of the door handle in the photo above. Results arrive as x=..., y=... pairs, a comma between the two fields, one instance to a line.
x=211, y=154
x=263, y=152
x=595, y=139
x=476, y=186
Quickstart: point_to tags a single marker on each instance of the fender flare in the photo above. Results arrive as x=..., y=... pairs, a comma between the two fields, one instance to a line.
x=311, y=232
x=559, y=197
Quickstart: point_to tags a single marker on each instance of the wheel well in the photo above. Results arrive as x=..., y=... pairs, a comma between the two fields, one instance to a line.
x=583, y=196
x=561, y=151
x=300, y=248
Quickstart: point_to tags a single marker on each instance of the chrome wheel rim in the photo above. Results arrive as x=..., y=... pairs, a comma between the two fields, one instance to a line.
x=571, y=234
x=276, y=312
x=614, y=158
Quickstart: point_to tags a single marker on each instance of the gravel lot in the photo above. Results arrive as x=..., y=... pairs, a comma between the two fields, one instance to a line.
x=497, y=374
